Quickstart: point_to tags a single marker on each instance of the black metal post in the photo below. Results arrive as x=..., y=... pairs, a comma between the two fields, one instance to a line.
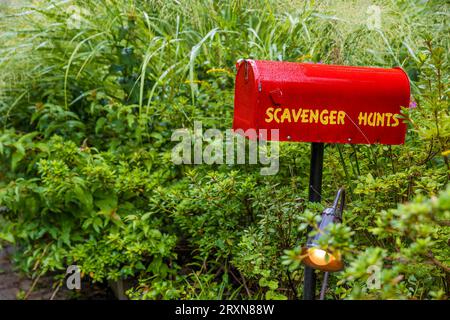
x=315, y=195
x=315, y=172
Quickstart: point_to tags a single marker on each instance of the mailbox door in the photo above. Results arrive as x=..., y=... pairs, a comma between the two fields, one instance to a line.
x=246, y=98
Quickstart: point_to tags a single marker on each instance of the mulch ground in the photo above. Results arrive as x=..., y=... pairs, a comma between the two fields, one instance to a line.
x=14, y=285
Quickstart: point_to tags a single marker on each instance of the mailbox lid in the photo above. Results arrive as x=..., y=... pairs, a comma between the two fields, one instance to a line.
x=378, y=92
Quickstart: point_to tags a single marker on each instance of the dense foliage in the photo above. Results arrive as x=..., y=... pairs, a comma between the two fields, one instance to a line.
x=91, y=91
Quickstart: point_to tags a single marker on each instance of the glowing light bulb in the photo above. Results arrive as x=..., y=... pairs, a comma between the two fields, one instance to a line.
x=319, y=257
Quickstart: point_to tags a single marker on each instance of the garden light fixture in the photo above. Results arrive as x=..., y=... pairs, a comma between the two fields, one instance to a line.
x=314, y=256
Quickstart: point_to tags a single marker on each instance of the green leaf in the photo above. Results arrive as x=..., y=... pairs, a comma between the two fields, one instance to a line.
x=16, y=157
x=99, y=124
x=108, y=203
x=273, y=295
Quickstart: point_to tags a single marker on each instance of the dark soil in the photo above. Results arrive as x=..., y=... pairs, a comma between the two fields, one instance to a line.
x=14, y=285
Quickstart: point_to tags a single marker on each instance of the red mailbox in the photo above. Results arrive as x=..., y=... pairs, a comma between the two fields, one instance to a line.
x=321, y=103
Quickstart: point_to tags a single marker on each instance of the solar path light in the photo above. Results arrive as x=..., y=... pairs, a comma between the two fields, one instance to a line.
x=314, y=256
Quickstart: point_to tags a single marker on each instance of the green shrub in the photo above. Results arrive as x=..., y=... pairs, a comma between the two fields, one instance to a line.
x=87, y=109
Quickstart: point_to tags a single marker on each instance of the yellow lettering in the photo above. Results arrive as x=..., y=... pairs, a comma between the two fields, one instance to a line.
x=380, y=119
x=362, y=120
x=388, y=119
x=333, y=115
x=286, y=115
x=340, y=117
x=296, y=116
x=324, y=117
x=275, y=115
x=305, y=116
x=327, y=117
x=371, y=122
x=314, y=116
x=396, y=120
x=269, y=114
